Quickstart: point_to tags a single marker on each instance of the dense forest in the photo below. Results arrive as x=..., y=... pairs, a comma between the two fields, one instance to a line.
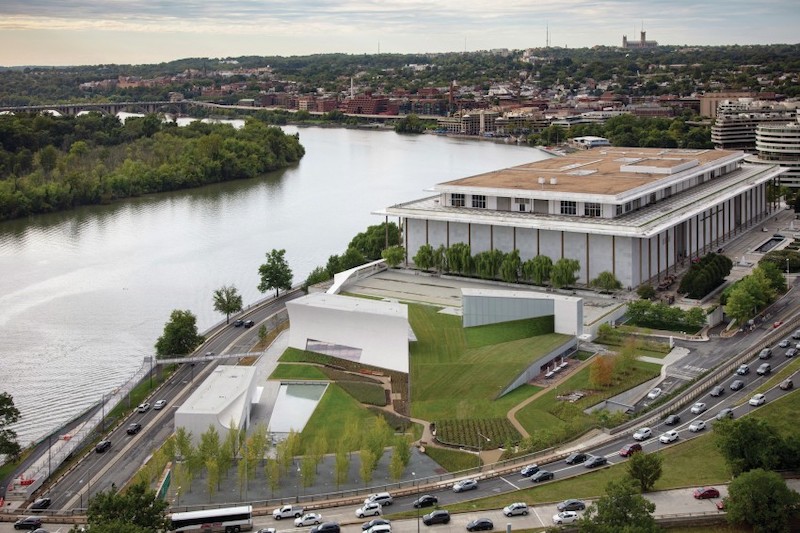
x=55, y=163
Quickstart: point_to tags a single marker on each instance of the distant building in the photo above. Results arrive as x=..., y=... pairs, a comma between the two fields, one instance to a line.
x=473, y=123
x=590, y=141
x=736, y=122
x=366, y=105
x=779, y=143
x=641, y=43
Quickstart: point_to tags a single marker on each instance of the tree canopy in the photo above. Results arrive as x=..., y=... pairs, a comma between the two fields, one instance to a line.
x=620, y=510
x=136, y=510
x=180, y=335
x=227, y=300
x=9, y=414
x=275, y=273
x=762, y=500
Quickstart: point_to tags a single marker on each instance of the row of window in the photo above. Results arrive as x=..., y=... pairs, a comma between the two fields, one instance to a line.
x=590, y=209
x=478, y=200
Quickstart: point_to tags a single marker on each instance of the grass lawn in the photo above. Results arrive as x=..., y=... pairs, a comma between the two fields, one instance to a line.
x=452, y=460
x=286, y=371
x=370, y=393
x=536, y=414
x=336, y=410
x=450, y=379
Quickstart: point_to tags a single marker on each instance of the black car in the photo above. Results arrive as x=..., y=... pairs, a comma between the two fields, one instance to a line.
x=425, y=501
x=326, y=527
x=481, y=524
x=134, y=428
x=737, y=384
x=40, y=504
x=28, y=522
x=102, y=446
x=542, y=475
x=249, y=323
x=440, y=516
x=529, y=470
x=595, y=461
x=717, y=391
x=375, y=522
x=672, y=420
x=571, y=505
x=238, y=323
x=576, y=458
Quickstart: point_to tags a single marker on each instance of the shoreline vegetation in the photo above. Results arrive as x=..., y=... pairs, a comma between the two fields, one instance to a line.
x=50, y=164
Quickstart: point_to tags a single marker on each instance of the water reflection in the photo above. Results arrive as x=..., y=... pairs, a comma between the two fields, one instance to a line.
x=295, y=405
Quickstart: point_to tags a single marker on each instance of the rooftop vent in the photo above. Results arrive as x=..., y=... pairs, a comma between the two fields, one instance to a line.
x=553, y=181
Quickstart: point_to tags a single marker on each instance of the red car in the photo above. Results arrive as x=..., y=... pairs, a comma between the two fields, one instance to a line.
x=630, y=449
x=705, y=493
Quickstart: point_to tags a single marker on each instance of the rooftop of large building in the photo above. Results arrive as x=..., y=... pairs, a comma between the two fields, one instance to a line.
x=607, y=171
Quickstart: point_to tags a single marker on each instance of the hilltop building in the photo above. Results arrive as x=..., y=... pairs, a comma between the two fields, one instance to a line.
x=641, y=43
x=636, y=212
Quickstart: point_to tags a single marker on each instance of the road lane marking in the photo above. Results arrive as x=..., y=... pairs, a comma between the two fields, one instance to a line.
x=507, y=481
x=539, y=518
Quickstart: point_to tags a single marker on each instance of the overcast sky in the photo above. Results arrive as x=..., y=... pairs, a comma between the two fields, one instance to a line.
x=77, y=32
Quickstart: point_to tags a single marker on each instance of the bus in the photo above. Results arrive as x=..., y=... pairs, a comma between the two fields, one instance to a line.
x=225, y=520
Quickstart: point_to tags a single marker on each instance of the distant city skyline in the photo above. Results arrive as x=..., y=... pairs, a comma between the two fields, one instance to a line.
x=87, y=32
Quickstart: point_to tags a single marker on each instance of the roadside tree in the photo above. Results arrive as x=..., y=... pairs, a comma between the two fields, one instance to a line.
x=275, y=273
x=645, y=469
x=135, y=510
x=762, y=500
x=375, y=239
x=227, y=300
x=9, y=414
x=748, y=443
x=621, y=509
x=180, y=335
x=318, y=275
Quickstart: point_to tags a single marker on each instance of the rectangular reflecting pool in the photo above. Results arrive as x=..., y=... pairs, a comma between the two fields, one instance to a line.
x=294, y=406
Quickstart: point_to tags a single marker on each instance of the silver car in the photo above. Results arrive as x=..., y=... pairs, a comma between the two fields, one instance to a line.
x=465, y=485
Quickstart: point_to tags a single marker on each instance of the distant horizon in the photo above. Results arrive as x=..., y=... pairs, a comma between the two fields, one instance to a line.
x=125, y=32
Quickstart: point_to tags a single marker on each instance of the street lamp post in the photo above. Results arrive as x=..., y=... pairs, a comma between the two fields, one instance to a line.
x=480, y=448
x=787, y=265
x=414, y=474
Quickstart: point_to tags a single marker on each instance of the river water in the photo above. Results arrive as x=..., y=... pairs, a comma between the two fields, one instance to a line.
x=85, y=294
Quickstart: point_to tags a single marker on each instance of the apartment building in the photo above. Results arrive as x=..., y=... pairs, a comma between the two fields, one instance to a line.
x=780, y=144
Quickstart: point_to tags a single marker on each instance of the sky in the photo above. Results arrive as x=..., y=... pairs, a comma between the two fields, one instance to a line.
x=88, y=32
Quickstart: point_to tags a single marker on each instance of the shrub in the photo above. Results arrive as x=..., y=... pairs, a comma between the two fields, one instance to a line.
x=467, y=432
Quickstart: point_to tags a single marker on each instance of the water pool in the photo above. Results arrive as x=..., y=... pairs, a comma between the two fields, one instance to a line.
x=294, y=406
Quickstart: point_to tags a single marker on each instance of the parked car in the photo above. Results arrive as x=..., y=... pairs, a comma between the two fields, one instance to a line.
x=704, y=493
x=515, y=509
x=542, y=475
x=249, y=323
x=786, y=384
x=576, y=458
x=642, y=434
x=630, y=449
x=757, y=399
x=529, y=470
x=382, y=528
x=697, y=425
x=717, y=391
x=159, y=405
x=134, y=428
x=369, y=509
x=366, y=526
x=565, y=517
x=465, y=485
x=143, y=407
x=383, y=498
x=737, y=384
x=480, y=524
x=425, y=501
x=595, y=461
x=326, y=527
x=743, y=370
x=571, y=505
x=791, y=352
x=672, y=420
x=262, y=530
x=308, y=519
x=40, y=504
x=668, y=436
x=102, y=446
x=655, y=393
x=698, y=408
x=764, y=369
x=439, y=516
x=766, y=353
x=784, y=343
x=28, y=522
x=725, y=413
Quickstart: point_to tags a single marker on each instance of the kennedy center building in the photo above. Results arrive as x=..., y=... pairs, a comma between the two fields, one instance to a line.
x=636, y=212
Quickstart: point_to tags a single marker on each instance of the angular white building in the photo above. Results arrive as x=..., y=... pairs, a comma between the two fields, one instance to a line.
x=636, y=212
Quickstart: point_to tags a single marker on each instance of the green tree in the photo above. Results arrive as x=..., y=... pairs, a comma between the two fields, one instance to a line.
x=318, y=275
x=308, y=471
x=646, y=469
x=342, y=466
x=227, y=300
x=375, y=239
x=423, y=259
x=620, y=510
x=135, y=510
x=762, y=500
x=646, y=292
x=275, y=273
x=9, y=414
x=212, y=477
x=458, y=258
x=272, y=469
x=367, y=466
x=394, y=255
x=538, y=269
x=775, y=275
x=510, y=267
x=180, y=335
x=606, y=282
x=564, y=272
x=748, y=443
x=396, y=466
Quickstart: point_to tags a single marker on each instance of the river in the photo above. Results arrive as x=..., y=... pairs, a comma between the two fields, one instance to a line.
x=85, y=294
